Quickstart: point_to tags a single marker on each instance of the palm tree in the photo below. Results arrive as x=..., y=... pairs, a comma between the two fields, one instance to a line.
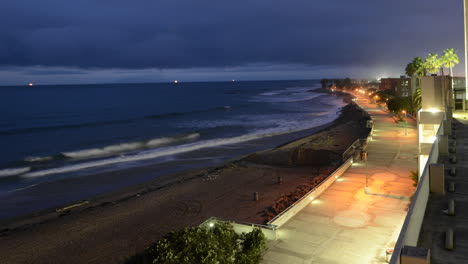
x=432, y=63
x=410, y=69
x=416, y=66
x=419, y=66
x=417, y=100
x=449, y=59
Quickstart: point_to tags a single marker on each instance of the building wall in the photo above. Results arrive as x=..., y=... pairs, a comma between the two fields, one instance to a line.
x=401, y=86
x=466, y=43
x=459, y=93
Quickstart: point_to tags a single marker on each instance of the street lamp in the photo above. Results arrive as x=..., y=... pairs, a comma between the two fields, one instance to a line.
x=405, y=124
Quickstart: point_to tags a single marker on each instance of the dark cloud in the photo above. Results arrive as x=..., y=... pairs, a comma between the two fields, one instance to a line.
x=178, y=34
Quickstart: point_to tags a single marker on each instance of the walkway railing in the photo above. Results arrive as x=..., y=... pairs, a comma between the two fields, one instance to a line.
x=359, y=144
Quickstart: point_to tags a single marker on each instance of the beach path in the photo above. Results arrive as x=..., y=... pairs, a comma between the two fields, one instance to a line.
x=346, y=224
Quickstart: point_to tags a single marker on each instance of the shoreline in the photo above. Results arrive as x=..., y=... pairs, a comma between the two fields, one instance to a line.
x=153, y=175
x=128, y=220
x=19, y=205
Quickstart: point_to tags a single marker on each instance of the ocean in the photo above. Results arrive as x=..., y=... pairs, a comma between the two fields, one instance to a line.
x=55, y=139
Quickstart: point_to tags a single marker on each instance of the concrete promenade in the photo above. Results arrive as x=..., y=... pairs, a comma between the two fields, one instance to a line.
x=346, y=225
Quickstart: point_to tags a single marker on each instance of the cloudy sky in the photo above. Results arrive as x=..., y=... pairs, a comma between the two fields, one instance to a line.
x=107, y=41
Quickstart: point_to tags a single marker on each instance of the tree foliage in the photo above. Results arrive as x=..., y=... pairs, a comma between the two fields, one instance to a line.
x=415, y=177
x=418, y=63
x=417, y=103
x=416, y=67
x=398, y=104
x=449, y=59
x=324, y=83
x=205, y=245
x=433, y=63
x=345, y=83
x=383, y=96
x=410, y=69
x=253, y=244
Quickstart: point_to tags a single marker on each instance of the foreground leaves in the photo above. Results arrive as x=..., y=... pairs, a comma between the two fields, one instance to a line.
x=206, y=245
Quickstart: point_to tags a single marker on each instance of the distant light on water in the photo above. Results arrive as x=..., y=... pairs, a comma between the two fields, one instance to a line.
x=176, y=81
x=30, y=84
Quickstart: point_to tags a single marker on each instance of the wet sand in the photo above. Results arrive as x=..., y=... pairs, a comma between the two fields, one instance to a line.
x=110, y=228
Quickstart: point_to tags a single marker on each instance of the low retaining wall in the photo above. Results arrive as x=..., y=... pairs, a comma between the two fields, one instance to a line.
x=270, y=232
x=292, y=210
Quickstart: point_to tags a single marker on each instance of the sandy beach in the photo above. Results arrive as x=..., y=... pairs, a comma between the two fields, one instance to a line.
x=112, y=227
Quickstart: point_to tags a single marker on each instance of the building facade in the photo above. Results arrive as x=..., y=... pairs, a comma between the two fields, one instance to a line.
x=401, y=86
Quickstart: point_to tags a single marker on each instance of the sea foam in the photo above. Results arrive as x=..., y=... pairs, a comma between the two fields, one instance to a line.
x=117, y=148
x=13, y=171
x=174, y=150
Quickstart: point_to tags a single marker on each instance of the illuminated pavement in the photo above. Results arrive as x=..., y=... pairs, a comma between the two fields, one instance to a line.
x=345, y=225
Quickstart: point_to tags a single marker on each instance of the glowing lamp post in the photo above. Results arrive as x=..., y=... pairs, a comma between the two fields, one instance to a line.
x=406, y=127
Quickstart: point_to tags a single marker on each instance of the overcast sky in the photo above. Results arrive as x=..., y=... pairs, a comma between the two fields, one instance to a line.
x=102, y=41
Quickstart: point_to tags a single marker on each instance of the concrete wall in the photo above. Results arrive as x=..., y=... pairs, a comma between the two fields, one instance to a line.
x=436, y=92
x=270, y=232
x=295, y=208
x=465, y=9
x=409, y=234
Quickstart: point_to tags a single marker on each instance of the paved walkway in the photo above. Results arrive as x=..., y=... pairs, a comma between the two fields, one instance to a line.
x=345, y=225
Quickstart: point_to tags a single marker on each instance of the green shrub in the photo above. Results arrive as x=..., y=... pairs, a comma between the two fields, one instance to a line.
x=415, y=177
x=397, y=104
x=205, y=245
x=252, y=247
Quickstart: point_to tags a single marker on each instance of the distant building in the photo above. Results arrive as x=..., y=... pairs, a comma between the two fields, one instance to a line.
x=373, y=85
x=358, y=82
x=401, y=86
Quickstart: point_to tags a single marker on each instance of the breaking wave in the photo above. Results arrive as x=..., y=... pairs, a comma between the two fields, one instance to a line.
x=169, y=150
x=116, y=148
x=288, y=95
x=13, y=171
